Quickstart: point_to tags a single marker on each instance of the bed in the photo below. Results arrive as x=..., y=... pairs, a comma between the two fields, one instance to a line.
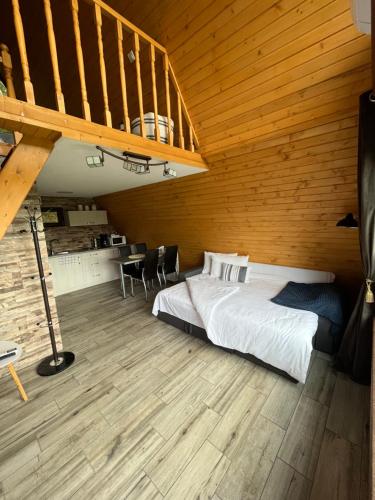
x=242, y=319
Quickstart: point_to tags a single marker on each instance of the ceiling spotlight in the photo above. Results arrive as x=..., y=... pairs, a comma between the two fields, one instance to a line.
x=95, y=161
x=169, y=172
x=136, y=168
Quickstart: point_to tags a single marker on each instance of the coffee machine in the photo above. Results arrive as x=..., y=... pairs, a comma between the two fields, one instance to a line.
x=104, y=240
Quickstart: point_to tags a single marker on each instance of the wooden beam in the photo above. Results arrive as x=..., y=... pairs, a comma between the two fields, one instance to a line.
x=130, y=27
x=5, y=149
x=19, y=173
x=184, y=108
x=31, y=119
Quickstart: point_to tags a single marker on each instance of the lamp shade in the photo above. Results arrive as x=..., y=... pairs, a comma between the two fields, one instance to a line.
x=348, y=221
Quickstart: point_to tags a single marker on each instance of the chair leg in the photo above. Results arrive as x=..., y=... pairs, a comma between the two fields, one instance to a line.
x=145, y=286
x=132, y=286
x=17, y=381
x=159, y=281
x=165, y=279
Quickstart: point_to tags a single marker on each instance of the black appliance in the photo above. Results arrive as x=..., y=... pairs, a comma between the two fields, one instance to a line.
x=104, y=240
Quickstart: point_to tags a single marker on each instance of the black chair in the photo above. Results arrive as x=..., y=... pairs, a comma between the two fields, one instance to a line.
x=149, y=271
x=169, y=264
x=127, y=269
x=138, y=248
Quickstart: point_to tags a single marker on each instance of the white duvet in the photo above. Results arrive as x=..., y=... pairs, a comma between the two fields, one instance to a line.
x=242, y=317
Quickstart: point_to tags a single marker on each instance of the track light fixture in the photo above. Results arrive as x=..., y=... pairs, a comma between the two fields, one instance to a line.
x=169, y=172
x=136, y=163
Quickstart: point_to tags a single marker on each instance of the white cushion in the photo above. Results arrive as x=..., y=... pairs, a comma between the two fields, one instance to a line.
x=207, y=259
x=216, y=262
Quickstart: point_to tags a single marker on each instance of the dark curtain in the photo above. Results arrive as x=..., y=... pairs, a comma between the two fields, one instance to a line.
x=354, y=356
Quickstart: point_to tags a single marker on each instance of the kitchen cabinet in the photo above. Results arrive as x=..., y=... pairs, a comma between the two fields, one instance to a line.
x=87, y=217
x=75, y=271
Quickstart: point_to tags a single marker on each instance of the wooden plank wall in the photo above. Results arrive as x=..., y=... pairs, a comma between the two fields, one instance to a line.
x=272, y=88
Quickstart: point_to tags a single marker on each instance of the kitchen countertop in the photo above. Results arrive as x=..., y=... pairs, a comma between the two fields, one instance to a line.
x=84, y=250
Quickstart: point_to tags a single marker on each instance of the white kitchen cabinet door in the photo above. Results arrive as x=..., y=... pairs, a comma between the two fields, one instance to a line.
x=58, y=276
x=109, y=269
x=87, y=217
x=93, y=268
x=76, y=271
x=67, y=273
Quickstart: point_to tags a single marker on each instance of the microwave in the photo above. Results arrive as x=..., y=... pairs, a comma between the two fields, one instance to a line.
x=117, y=239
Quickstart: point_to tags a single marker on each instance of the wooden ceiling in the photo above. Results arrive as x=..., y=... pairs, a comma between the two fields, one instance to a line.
x=248, y=69
x=288, y=64
x=272, y=88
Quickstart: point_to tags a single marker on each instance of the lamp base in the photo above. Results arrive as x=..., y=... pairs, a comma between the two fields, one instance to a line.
x=49, y=367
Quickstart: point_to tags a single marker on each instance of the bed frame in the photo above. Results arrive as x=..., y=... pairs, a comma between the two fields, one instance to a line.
x=323, y=340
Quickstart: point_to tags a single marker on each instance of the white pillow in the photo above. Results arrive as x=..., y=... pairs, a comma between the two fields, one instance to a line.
x=216, y=263
x=249, y=270
x=207, y=259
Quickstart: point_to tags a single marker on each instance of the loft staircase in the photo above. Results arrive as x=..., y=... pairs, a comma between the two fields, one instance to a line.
x=37, y=127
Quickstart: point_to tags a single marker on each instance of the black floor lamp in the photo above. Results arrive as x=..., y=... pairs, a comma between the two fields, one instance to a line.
x=58, y=361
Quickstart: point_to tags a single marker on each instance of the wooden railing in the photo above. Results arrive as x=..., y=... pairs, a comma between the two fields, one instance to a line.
x=186, y=139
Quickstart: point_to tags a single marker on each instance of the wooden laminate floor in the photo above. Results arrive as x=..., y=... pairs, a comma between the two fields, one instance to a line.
x=148, y=412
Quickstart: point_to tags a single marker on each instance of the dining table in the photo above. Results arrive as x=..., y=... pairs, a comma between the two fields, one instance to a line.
x=125, y=261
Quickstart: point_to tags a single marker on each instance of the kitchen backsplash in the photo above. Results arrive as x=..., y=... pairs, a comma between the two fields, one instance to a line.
x=76, y=237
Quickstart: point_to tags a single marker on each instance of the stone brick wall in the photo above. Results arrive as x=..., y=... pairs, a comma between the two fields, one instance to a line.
x=72, y=238
x=21, y=299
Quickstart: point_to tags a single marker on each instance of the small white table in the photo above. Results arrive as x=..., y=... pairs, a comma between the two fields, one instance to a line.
x=5, y=346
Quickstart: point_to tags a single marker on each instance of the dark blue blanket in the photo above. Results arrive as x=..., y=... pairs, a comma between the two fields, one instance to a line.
x=323, y=299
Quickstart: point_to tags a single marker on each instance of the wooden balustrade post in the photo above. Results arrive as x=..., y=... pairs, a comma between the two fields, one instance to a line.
x=154, y=92
x=6, y=61
x=139, y=84
x=120, y=39
x=181, y=139
x=29, y=89
x=191, y=139
x=192, y=135
x=167, y=98
x=54, y=59
x=81, y=65
x=103, y=73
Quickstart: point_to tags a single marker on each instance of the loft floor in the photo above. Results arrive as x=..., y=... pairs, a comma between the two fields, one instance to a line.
x=37, y=121
x=147, y=411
